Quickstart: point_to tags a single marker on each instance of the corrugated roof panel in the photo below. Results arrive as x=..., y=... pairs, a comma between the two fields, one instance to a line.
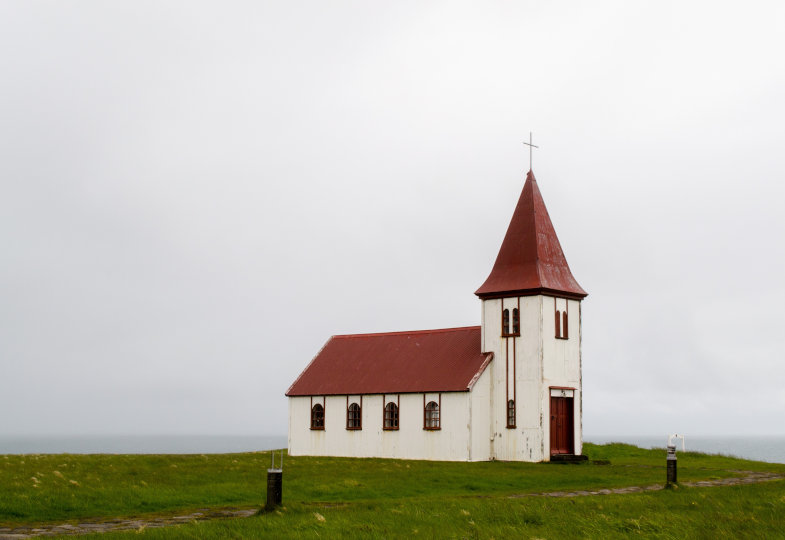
x=445, y=360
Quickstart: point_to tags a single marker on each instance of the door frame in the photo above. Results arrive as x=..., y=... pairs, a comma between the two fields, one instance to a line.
x=567, y=393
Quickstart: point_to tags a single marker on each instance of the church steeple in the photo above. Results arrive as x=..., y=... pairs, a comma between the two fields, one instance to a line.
x=530, y=260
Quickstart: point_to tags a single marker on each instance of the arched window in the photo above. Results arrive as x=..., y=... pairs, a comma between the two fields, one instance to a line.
x=317, y=417
x=391, y=416
x=511, y=413
x=516, y=322
x=558, y=323
x=354, y=417
x=432, y=415
x=506, y=322
x=564, y=332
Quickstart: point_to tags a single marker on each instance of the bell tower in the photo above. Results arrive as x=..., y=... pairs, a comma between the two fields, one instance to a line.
x=531, y=322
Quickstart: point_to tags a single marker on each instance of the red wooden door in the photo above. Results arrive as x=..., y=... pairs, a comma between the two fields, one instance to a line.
x=561, y=425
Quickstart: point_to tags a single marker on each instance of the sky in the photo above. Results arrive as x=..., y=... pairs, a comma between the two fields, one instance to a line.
x=194, y=196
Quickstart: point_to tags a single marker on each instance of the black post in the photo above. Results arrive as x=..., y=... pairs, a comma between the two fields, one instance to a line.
x=671, y=462
x=274, y=483
x=274, y=488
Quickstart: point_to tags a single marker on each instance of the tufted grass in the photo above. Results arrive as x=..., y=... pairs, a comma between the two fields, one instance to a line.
x=751, y=511
x=381, y=497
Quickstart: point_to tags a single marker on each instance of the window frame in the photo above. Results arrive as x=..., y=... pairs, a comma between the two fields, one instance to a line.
x=359, y=418
x=561, y=321
x=505, y=321
x=395, y=414
x=511, y=413
x=432, y=424
x=323, y=408
x=511, y=321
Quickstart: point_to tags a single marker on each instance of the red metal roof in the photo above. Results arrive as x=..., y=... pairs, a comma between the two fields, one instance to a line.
x=446, y=360
x=530, y=260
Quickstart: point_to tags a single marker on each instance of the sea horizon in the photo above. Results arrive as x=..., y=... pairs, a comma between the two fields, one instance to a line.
x=769, y=448
x=139, y=444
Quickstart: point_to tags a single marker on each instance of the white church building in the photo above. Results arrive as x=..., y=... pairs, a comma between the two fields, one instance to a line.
x=509, y=389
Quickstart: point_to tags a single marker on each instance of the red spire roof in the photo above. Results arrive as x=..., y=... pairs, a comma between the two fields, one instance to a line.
x=530, y=260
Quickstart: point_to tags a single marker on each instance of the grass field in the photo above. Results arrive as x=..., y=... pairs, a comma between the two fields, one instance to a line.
x=344, y=497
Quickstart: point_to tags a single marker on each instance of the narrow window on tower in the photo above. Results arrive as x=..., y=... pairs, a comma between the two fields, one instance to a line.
x=516, y=322
x=506, y=322
x=511, y=413
x=561, y=326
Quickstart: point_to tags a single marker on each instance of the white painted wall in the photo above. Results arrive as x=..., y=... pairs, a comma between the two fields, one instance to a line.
x=540, y=361
x=473, y=423
x=480, y=404
x=562, y=362
x=453, y=442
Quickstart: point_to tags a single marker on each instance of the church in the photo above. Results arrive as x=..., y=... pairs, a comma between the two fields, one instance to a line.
x=509, y=389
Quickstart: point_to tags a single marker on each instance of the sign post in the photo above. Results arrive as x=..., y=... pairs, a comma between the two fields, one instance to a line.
x=671, y=475
x=671, y=462
x=274, y=483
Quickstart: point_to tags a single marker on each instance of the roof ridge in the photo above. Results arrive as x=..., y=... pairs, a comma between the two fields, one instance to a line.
x=408, y=332
x=537, y=225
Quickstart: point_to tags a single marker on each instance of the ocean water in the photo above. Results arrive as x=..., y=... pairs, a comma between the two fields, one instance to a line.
x=759, y=448
x=139, y=444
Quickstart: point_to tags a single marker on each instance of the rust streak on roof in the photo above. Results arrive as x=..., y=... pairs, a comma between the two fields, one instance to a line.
x=531, y=260
x=443, y=360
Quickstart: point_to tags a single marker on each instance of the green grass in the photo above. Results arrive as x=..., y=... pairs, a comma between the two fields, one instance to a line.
x=755, y=511
x=392, y=498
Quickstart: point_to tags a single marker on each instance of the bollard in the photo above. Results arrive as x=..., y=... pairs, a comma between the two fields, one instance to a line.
x=274, y=483
x=671, y=462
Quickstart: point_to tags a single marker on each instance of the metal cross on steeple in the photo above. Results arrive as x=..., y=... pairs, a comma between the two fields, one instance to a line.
x=530, y=145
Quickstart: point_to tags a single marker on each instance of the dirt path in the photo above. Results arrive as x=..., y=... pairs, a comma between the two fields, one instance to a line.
x=96, y=526
x=749, y=478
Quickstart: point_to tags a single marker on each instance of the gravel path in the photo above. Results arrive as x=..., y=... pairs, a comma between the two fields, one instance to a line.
x=749, y=478
x=96, y=526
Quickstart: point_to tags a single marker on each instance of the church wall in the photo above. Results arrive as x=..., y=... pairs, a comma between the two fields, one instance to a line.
x=541, y=361
x=524, y=442
x=522, y=382
x=561, y=363
x=452, y=442
x=492, y=342
x=480, y=404
x=529, y=417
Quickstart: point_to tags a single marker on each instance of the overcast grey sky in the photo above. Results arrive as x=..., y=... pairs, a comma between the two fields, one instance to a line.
x=194, y=196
